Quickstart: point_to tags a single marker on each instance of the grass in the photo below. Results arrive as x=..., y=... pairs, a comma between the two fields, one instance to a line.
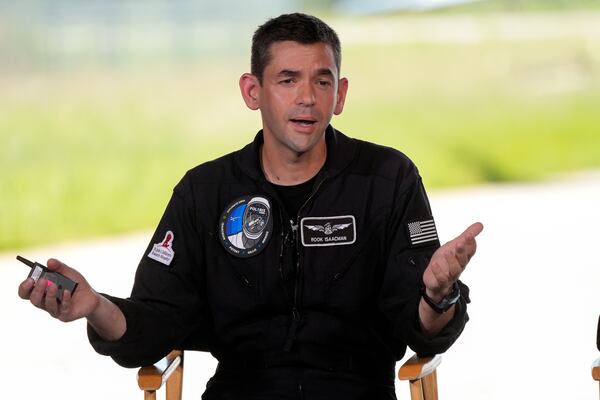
x=97, y=152
x=102, y=155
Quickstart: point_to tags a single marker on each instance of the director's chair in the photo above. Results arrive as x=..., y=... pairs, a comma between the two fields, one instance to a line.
x=420, y=372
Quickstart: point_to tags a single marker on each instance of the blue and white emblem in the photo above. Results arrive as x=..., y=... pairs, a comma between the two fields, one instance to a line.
x=246, y=225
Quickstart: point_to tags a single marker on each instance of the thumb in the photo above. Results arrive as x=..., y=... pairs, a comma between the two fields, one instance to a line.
x=55, y=265
x=473, y=230
x=63, y=269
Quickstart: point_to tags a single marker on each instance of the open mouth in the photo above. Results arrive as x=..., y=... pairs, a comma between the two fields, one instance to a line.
x=303, y=121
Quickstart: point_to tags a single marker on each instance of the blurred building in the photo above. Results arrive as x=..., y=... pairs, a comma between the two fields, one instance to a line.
x=61, y=33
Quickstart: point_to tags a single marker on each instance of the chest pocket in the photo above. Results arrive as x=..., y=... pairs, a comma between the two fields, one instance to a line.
x=252, y=284
x=345, y=277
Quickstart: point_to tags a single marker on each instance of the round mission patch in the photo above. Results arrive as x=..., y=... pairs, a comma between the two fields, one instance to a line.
x=246, y=225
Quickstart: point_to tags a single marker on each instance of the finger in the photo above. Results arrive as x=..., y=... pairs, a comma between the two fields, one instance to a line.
x=65, y=305
x=442, y=281
x=37, y=294
x=465, y=244
x=442, y=269
x=464, y=250
x=50, y=301
x=25, y=288
x=473, y=230
x=454, y=265
x=55, y=265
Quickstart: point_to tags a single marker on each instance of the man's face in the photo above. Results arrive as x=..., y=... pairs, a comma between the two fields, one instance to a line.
x=300, y=92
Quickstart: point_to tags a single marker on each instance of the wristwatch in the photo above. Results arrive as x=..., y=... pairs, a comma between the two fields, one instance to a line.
x=446, y=303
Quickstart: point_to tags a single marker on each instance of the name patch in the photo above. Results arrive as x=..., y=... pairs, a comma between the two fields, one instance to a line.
x=328, y=231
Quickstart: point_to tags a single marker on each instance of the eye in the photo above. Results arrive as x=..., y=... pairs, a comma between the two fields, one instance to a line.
x=288, y=81
x=324, y=83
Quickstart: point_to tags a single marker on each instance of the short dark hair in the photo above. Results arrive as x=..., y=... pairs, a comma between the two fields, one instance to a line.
x=297, y=27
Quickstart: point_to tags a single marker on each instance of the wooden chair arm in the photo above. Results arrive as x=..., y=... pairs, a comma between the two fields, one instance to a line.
x=152, y=377
x=421, y=373
x=596, y=370
x=417, y=368
x=422, y=376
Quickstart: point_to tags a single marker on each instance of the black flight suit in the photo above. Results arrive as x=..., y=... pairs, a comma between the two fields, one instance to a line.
x=351, y=308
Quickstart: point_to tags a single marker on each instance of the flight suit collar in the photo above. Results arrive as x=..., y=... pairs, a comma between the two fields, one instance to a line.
x=340, y=152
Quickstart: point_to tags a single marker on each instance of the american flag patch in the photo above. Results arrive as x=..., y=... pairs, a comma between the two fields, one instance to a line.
x=422, y=232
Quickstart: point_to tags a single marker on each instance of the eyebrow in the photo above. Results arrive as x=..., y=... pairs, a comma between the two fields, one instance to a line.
x=295, y=73
x=326, y=72
x=288, y=73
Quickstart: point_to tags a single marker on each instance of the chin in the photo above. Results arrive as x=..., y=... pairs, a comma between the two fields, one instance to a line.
x=303, y=148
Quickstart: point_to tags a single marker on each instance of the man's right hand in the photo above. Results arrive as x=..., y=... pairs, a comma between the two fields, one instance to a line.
x=42, y=294
x=104, y=316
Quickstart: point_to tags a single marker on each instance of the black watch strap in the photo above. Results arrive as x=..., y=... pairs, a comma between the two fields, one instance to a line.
x=446, y=303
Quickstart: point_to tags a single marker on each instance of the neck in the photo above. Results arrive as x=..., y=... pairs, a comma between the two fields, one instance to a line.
x=293, y=168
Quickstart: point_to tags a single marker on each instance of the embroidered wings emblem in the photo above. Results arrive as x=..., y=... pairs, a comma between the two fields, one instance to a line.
x=328, y=229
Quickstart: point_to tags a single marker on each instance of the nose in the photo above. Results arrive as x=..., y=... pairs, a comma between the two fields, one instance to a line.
x=306, y=94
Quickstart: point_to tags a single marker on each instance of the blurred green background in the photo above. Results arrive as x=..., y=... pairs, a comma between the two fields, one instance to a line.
x=105, y=104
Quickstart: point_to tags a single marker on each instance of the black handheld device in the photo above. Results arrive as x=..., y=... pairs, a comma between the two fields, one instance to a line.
x=39, y=271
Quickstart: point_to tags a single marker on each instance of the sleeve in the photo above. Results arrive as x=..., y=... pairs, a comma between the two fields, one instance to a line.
x=167, y=307
x=412, y=241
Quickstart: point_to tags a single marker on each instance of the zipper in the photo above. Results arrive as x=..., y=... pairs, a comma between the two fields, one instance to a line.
x=285, y=242
x=245, y=281
x=297, y=272
x=298, y=253
x=296, y=317
x=296, y=306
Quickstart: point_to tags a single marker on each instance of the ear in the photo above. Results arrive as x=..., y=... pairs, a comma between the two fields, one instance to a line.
x=341, y=96
x=250, y=88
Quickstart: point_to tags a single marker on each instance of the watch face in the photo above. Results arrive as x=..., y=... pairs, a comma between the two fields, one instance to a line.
x=453, y=297
x=446, y=303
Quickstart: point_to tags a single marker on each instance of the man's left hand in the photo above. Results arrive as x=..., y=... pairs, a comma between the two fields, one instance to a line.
x=449, y=261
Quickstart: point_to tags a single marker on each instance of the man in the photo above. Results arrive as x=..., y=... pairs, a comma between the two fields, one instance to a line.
x=305, y=263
